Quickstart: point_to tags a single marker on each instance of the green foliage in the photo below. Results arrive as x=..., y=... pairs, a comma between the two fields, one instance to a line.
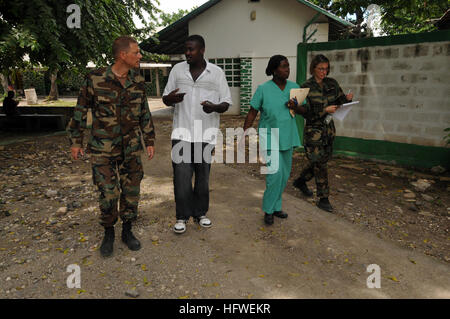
x=410, y=16
x=169, y=18
x=397, y=17
x=34, y=79
x=70, y=81
x=147, y=56
x=14, y=44
x=39, y=29
x=44, y=35
x=351, y=10
x=447, y=137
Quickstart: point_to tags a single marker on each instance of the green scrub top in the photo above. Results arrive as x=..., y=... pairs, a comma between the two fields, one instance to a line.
x=270, y=100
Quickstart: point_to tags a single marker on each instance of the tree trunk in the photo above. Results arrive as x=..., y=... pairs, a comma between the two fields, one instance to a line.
x=4, y=81
x=53, y=96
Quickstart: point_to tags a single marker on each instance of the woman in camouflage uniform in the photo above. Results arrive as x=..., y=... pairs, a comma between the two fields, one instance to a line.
x=324, y=97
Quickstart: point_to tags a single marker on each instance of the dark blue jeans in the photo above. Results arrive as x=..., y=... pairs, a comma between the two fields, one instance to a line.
x=189, y=159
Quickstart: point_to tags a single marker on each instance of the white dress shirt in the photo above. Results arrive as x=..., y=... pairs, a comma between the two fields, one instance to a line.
x=190, y=122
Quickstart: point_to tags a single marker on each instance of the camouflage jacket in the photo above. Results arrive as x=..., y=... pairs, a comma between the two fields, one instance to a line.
x=316, y=131
x=320, y=97
x=120, y=115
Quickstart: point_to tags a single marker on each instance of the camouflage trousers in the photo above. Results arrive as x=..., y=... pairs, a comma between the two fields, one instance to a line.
x=117, y=178
x=318, y=157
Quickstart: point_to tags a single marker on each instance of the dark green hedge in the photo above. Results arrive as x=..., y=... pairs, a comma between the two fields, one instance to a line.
x=35, y=79
x=69, y=82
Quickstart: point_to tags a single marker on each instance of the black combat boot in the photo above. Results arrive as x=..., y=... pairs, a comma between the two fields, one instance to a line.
x=268, y=219
x=301, y=184
x=280, y=214
x=128, y=237
x=106, y=249
x=325, y=204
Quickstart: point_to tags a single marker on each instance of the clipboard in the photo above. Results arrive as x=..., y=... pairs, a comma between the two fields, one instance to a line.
x=300, y=95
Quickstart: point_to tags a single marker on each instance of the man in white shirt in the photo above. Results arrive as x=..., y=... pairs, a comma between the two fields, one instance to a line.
x=199, y=92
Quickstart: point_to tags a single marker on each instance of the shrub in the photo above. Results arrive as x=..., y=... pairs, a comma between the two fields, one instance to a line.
x=35, y=79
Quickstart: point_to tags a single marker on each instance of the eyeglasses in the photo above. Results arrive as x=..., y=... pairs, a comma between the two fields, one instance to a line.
x=322, y=69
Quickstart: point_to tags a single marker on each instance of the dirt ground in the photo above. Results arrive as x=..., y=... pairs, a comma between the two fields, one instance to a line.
x=49, y=220
x=373, y=195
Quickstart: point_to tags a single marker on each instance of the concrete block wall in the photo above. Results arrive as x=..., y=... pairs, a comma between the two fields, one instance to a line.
x=403, y=91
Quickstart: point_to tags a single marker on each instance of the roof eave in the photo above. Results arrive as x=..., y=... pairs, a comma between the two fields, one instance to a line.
x=189, y=16
x=325, y=12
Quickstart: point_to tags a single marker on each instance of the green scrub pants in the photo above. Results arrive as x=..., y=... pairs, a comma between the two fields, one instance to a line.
x=279, y=171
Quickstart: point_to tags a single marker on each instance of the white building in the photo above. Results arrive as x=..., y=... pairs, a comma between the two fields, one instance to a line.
x=241, y=36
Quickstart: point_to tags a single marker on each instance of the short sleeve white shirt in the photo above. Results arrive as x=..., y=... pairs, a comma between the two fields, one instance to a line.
x=190, y=122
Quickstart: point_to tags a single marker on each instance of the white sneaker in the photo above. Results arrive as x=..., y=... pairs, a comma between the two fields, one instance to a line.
x=180, y=226
x=203, y=221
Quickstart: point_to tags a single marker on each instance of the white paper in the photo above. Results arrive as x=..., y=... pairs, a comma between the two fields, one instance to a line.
x=342, y=111
x=350, y=103
x=300, y=94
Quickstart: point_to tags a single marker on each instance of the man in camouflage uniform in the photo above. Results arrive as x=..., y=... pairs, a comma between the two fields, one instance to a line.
x=120, y=117
x=323, y=98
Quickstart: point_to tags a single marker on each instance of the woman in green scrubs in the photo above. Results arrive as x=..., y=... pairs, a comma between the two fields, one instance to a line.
x=277, y=131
